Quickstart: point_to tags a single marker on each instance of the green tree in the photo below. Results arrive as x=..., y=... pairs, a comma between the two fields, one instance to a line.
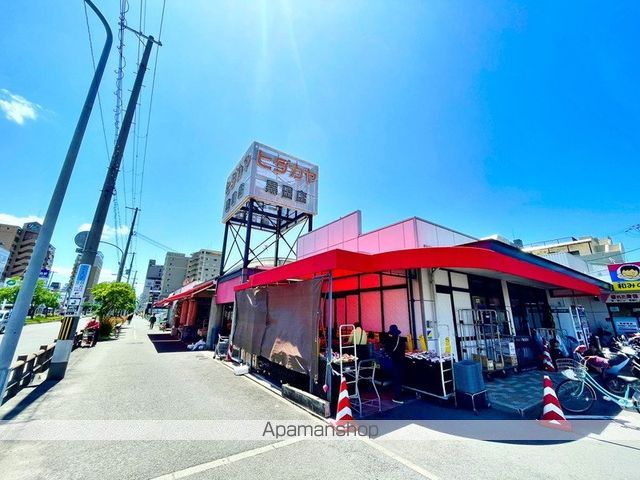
x=114, y=298
x=52, y=300
x=10, y=293
x=41, y=295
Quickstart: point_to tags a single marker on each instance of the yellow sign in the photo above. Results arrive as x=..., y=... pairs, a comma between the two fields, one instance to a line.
x=447, y=345
x=626, y=286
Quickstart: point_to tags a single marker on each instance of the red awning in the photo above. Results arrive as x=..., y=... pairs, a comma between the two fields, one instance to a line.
x=186, y=292
x=343, y=263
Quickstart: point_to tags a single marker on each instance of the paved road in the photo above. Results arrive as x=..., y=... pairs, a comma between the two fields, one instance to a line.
x=121, y=387
x=35, y=335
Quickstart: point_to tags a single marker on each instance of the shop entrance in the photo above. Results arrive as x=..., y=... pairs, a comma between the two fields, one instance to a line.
x=530, y=309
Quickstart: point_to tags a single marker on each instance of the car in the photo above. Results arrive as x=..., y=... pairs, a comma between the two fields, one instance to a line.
x=4, y=319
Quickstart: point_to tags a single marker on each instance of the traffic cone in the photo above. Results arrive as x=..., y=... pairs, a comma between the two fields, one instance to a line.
x=229, y=358
x=343, y=414
x=552, y=415
x=547, y=364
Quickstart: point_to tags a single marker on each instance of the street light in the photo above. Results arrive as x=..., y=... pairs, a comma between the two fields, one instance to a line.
x=114, y=245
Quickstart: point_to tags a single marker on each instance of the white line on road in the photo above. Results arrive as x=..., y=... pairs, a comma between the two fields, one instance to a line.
x=407, y=463
x=227, y=460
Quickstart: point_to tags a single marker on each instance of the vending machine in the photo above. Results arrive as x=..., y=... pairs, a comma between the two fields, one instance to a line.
x=572, y=320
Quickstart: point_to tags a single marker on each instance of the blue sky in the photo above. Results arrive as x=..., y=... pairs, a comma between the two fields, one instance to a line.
x=519, y=118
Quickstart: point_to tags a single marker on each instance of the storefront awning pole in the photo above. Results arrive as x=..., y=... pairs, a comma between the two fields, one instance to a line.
x=328, y=373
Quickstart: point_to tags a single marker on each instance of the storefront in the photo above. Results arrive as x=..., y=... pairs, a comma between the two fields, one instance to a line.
x=189, y=310
x=625, y=312
x=467, y=300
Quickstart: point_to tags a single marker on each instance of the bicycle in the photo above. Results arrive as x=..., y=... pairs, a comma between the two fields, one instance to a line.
x=577, y=393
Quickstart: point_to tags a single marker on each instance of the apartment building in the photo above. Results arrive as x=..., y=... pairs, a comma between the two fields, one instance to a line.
x=20, y=242
x=203, y=265
x=593, y=250
x=152, y=283
x=174, y=273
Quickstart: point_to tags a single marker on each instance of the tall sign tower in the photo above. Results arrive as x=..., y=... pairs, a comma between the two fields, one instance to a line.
x=270, y=200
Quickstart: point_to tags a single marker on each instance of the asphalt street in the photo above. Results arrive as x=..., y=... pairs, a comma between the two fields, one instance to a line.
x=35, y=335
x=131, y=382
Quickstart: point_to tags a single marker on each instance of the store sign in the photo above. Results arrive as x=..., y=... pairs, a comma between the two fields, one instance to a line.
x=623, y=298
x=273, y=177
x=625, y=276
x=625, y=326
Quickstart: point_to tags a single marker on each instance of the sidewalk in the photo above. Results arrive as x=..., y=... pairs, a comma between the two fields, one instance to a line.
x=127, y=379
x=132, y=381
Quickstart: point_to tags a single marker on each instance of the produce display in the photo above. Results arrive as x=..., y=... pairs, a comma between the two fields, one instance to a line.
x=430, y=356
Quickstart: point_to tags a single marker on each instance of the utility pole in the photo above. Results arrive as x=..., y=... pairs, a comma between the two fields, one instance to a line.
x=135, y=275
x=16, y=320
x=133, y=255
x=69, y=326
x=126, y=248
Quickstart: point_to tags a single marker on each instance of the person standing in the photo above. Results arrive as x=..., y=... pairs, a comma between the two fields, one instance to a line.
x=395, y=346
x=152, y=321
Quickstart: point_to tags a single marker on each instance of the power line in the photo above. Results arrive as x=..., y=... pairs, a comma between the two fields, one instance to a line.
x=154, y=242
x=104, y=130
x=153, y=84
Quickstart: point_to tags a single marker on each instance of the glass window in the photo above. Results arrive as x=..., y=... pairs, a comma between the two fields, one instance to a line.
x=396, y=310
x=371, y=311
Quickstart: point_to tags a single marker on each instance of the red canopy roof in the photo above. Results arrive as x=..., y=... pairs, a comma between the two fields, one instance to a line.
x=185, y=292
x=343, y=263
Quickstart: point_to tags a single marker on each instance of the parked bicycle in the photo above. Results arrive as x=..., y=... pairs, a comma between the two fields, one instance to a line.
x=577, y=393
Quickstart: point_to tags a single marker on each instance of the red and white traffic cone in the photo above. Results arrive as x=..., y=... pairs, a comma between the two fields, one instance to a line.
x=229, y=358
x=547, y=363
x=343, y=414
x=552, y=414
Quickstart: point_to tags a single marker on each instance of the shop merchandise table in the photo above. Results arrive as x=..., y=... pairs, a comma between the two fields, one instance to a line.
x=429, y=374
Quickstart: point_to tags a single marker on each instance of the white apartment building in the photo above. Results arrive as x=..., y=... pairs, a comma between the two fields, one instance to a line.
x=203, y=265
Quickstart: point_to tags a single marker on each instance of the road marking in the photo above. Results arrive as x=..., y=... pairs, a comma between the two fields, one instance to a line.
x=227, y=460
x=407, y=463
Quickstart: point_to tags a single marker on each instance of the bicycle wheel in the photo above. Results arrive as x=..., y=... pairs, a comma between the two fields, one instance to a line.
x=575, y=396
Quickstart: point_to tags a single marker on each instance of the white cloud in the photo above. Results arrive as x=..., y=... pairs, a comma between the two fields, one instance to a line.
x=18, y=109
x=108, y=232
x=9, y=219
x=63, y=272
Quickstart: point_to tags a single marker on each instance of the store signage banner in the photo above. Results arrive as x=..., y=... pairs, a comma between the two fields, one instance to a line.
x=625, y=276
x=274, y=177
x=622, y=298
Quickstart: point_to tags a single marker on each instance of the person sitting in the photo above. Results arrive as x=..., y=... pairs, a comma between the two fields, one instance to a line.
x=93, y=325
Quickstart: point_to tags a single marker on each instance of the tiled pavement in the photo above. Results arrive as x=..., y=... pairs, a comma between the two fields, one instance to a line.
x=520, y=393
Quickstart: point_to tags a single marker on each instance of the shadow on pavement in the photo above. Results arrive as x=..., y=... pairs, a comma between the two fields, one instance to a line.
x=35, y=394
x=165, y=343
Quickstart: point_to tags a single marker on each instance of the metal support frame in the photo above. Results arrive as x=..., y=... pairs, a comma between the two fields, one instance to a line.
x=278, y=224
